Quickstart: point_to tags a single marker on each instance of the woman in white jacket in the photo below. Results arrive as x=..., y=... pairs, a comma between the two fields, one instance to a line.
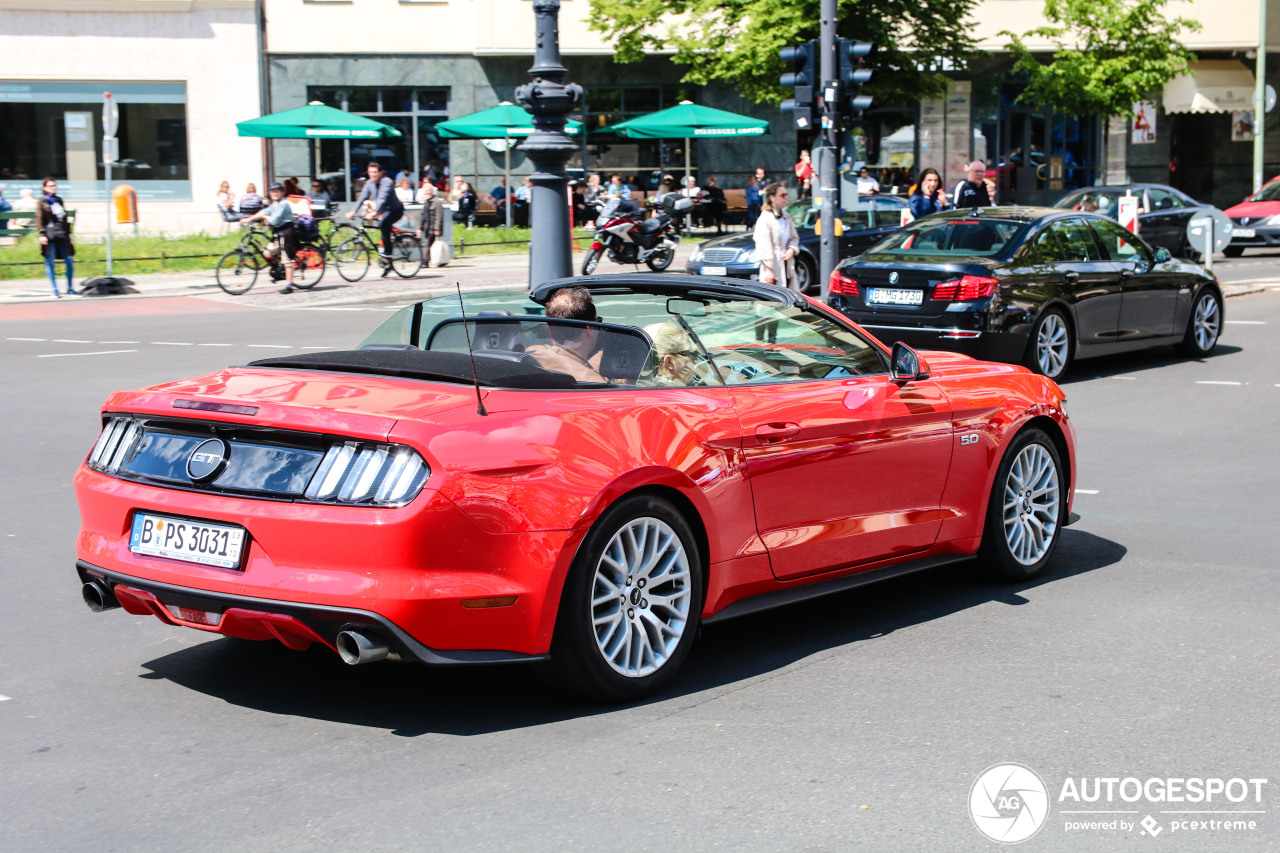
x=777, y=241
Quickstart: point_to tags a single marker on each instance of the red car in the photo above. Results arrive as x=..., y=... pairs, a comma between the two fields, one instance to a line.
x=441, y=495
x=1256, y=221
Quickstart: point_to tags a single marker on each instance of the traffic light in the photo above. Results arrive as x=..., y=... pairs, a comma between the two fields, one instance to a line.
x=852, y=76
x=803, y=77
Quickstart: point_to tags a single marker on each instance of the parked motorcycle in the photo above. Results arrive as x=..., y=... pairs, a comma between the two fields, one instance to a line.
x=629, y=238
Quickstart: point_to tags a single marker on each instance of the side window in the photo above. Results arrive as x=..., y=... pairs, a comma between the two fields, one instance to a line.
x=1045, y=248
x=1077, y=241
x=1164, y=200
x=858, y=218
x=887, y=213
x=1119, y=243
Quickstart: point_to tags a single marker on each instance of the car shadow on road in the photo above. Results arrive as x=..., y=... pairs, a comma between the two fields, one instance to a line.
x=1124, y=364
x=410, y=701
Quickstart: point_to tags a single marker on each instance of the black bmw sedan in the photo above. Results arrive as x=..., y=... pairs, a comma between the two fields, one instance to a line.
x=1163, y=212
x=1036, y=286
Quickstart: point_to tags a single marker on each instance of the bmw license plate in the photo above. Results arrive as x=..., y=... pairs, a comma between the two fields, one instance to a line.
x=1243, y=232
x=890, y=296
x=185, y=539
x=715, y=271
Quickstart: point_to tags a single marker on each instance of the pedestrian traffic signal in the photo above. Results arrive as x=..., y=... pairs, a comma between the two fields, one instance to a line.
x=853, y=76
x=803, y=60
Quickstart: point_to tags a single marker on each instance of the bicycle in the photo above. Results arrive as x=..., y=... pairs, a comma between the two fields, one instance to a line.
x=353, y=246
x=237, y=270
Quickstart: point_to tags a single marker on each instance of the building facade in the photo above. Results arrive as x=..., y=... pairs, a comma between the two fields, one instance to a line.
x=183, y=73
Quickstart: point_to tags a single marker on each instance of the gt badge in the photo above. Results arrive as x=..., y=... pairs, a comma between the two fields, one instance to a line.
x=208, y=460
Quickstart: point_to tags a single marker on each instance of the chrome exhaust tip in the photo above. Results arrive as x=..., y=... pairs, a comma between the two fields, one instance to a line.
x=98, y=596
x=356, y=648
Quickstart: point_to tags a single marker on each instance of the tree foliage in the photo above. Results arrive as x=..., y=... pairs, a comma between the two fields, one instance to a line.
x=1109, y=54
x=737, y=41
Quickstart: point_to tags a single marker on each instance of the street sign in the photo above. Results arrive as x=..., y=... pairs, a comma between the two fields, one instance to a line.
x=1198, y=226
x=1127, y=212
x=110, y=115
x=1271, y=98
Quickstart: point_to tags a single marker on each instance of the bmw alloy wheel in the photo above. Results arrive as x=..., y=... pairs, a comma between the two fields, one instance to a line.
x=1031, y=504
x=1053, y=345
x=1207, y=322
x=641, y=596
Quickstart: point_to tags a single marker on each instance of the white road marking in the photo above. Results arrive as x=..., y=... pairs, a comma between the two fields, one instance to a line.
x=4, y=698
x=270, y=346
x=1086, y=491
x=1216, y=382
x=1123, y=378
x=69, y=341
x=215, y=345
x=99, y=352
x=117, y=342
x=26, y=339
x=172, y=344
x=1246, y=322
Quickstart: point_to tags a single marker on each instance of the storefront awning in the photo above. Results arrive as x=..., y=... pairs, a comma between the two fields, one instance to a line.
x=1213, y=86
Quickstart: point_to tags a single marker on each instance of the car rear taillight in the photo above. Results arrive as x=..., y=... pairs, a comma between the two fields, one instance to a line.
x=842, y=284
x=370, y=474
x=965, y=289
x=115, y=443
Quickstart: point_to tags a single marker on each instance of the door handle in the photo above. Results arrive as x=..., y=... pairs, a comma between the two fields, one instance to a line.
x=1126, y=273
x=1073, y=277
x=770, y=433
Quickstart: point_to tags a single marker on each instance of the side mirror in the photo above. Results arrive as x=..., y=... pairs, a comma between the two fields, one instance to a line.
x=907, y=365
x=1162, y=255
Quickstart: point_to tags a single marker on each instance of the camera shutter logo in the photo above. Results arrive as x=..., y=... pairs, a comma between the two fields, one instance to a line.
x=1008, y=803
x=207, y=460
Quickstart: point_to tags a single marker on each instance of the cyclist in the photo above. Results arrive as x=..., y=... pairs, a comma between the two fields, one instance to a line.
x=380, y=192
x=279, y=215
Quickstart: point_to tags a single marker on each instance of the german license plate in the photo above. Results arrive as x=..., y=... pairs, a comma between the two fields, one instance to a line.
x=1243, y=232
x=715, y=270
x=890, y=296
x=185, y=539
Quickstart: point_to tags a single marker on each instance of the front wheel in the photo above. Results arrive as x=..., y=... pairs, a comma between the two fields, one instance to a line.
x=1203, y=327
x=351, y=257
x=661, y=259
x=590, y=261
x=1027, y=509
x=1233, y=251
x=406, y=255
x=1050, y=349
x=631, y=601
x=804, y=274
x=235, y=274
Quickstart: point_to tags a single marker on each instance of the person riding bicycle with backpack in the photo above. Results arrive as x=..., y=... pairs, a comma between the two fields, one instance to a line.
x=380, y=193
x=279, y=215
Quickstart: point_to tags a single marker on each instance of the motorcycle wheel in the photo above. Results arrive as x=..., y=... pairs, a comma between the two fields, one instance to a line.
x=590, y=261
x=659, y=261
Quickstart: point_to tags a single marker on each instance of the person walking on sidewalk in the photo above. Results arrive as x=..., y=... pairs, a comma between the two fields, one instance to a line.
x=380, y=192
x=54, y=227
x=972, y=191
x=432, y=219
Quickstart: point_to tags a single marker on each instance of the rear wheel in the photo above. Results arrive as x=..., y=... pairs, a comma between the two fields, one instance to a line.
x=1050, y=349
x=1203, y=326
x=631, y=601
x=1233, y=251
x=351, y=258
x=590, y=261
x=1027, y=508
x=234, y=273
x=660, y=259
x=406, y=255
x=804, y=274
x=308, y=267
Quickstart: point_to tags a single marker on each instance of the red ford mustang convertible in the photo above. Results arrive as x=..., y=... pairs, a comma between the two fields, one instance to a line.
x=497, y=481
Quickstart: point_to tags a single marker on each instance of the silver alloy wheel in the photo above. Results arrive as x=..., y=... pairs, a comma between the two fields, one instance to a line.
x=1052, y=345
x=640, y=597
x=1031, y=505
x=1207, y=322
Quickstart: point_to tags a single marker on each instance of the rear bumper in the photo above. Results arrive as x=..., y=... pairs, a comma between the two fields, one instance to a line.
x=968, y=333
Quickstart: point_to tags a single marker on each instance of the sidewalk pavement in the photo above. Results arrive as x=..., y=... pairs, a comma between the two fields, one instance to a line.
x=480, y=272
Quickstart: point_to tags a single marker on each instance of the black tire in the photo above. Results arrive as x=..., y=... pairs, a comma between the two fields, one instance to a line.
x=1233, y=251
x=1022, y=527
x=1052, y=345
x=234, y=272
x=804, y=274
x=351, y=258
x=580, y=662
x=406, y=255
x=590, y=261
x=308, y=268
x=1204, y=326
x=659, y=261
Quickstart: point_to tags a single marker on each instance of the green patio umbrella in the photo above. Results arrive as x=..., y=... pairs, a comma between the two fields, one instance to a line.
x=685, y=121
x=505, y=121
x=315, y=121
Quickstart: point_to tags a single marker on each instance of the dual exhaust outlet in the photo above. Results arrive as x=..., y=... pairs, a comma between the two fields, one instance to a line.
x=355, y=647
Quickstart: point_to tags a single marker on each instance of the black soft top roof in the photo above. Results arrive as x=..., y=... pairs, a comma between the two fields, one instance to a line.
x=413, y=363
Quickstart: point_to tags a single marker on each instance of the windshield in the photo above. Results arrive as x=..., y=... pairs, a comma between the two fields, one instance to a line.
x=983, y=237
x=1270, y=192
x=1092, y=201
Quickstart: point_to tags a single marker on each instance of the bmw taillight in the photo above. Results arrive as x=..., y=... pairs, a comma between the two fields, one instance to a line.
x=965, y=289
x=842, y=284
x=370, y=474
x=118, y=439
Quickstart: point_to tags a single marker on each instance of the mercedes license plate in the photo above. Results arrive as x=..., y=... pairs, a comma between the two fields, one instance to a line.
x=890, y=296
x=186, y=539
x=1243, y=232
x=715, y=270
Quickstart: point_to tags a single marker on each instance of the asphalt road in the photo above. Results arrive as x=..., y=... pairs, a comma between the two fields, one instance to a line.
x=857, y=722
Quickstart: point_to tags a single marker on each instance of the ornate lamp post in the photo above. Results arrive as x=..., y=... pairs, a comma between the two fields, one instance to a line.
x=549, y=100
